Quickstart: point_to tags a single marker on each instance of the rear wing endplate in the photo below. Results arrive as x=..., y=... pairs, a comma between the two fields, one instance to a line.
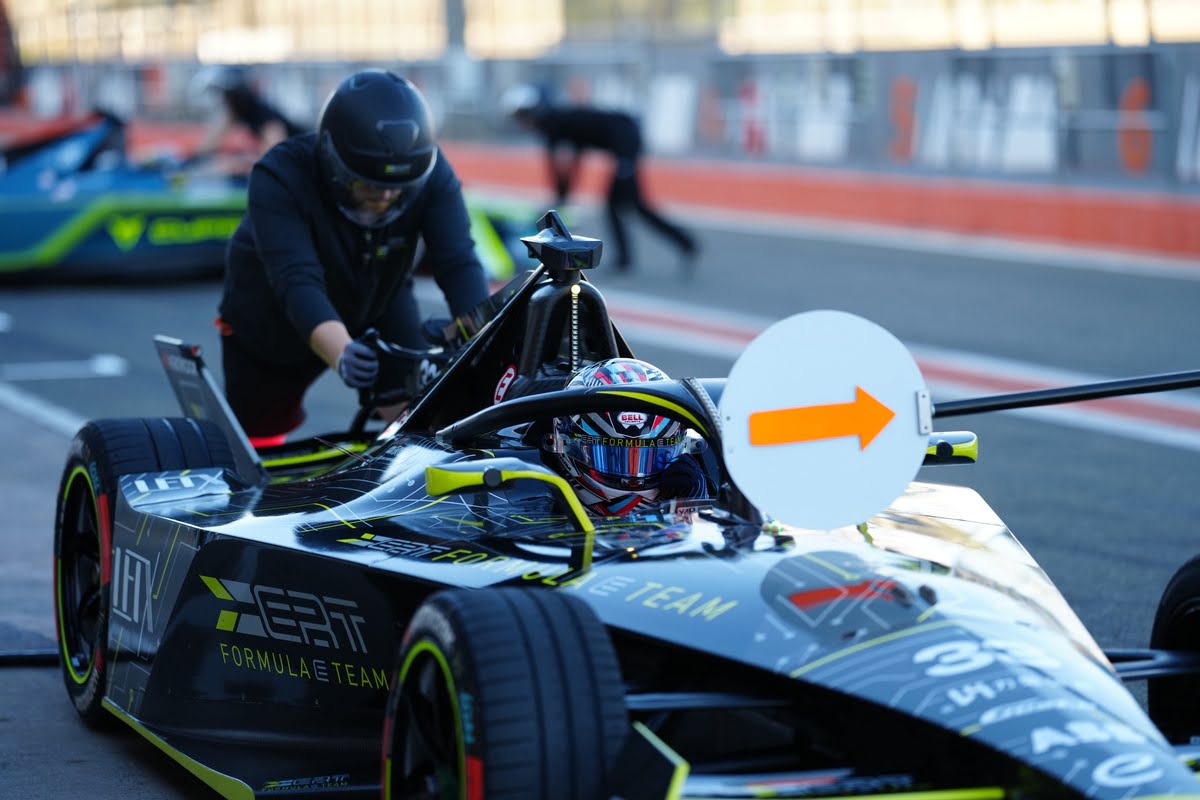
x=200, y=398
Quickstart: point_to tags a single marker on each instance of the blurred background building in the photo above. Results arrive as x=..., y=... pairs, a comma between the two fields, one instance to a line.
x=1093, y=93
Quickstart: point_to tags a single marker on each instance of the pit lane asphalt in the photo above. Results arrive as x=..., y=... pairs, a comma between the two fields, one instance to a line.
x=1109, y=517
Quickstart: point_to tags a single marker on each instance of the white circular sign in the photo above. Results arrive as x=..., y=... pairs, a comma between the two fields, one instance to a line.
x=825, y=420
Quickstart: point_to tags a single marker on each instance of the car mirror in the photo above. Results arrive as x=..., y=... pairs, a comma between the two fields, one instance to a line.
x=493, y=473
x=951, y=447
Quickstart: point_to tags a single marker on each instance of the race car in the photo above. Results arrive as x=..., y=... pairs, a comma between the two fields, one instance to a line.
x=428, y=610
x=75, y=203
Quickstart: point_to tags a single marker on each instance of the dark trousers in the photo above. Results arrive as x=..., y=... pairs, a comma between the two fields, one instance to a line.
x=625, y=195
x=268, y=397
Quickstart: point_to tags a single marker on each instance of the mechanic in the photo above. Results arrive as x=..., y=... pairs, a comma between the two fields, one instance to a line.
x=568, y=132
x=325, y=252
x=239, y=105
x=618, y=460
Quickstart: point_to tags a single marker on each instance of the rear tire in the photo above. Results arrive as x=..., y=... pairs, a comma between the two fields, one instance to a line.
x=101, y=452
x=1174, y=703
x=505, y=694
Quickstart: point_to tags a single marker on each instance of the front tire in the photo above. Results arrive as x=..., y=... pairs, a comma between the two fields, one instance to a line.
x=1174, y=703
x=100, y=453
x=506, y=693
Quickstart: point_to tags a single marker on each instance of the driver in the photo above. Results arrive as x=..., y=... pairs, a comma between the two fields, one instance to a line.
x=617, y=460
x=325, y=252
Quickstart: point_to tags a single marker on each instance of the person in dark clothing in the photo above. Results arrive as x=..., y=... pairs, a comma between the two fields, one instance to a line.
x=240, y=105
x=568, y=132
x=325, y=251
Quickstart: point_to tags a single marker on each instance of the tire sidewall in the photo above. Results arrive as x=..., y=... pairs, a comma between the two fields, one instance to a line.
x=86, y=461
x=435, y=631
x=1174, y=702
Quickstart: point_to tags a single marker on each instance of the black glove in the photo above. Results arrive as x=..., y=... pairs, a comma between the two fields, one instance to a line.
x=358, y=365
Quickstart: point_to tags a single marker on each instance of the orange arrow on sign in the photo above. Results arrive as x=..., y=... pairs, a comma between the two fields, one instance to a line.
x=864, y=418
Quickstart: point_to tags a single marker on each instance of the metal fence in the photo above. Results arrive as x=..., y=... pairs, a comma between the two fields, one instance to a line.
x=1126, y=118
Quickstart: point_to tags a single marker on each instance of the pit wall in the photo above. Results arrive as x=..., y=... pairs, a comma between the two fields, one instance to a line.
x=1088, y=146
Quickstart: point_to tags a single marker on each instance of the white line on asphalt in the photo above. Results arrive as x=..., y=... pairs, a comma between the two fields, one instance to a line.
x=39, y=411
x=102, y=365
x=716, y=333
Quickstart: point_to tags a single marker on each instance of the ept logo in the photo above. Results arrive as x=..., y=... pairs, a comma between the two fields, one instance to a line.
x=289, y=615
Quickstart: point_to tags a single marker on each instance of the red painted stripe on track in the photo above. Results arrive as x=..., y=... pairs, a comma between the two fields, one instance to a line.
x=1157, y=223
x=934, y=371
x=736, y=335
x=1129, y=407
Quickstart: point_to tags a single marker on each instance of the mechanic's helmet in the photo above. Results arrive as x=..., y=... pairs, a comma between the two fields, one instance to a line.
x=230, y=79
x=615, y=454
x=524, y=100
x=377, y=146
x=211, y=82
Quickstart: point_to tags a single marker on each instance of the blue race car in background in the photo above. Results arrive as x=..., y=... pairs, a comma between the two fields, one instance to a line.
x=74, y=204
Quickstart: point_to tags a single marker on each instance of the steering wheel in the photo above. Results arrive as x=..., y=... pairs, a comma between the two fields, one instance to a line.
x=425, y=366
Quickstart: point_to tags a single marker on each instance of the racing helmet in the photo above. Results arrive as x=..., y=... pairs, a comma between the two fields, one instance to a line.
x=376, y=146
x=617, y=457
x=524, y=101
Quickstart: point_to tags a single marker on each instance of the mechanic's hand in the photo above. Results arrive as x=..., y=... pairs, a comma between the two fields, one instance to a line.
x=358, y=365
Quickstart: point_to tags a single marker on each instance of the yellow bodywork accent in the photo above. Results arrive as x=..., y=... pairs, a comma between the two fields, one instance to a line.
x=834, y=568
x=675, y=409
x=216, y=588
x=878, y=640
x=167, y=563
x=440, y=481
x=226, y=786
x=968, y=449
x=320, y=455
x=227, y=621
x=497, y=261
x=682, y=768
x=577, y=509
x=335, y=515
x=421, y=507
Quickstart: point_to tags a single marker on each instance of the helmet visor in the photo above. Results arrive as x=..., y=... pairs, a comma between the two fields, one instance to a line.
x=621, y=457
x=368, y=203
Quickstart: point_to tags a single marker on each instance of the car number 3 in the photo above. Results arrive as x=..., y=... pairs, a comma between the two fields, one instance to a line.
x=964, y=655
